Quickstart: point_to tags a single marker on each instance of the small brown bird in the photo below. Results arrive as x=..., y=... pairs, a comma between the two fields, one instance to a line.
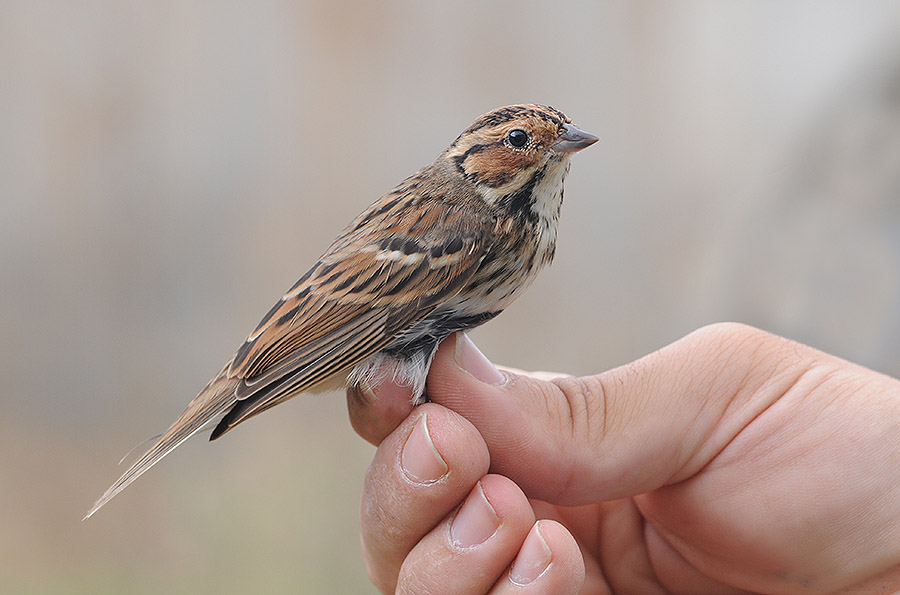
x=445, y=251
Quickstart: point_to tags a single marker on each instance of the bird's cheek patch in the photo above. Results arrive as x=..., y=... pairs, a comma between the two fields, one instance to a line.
x=496, y=165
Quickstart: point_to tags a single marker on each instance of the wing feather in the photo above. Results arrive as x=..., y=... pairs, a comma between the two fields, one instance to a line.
x=212, y=402
x=338, y=359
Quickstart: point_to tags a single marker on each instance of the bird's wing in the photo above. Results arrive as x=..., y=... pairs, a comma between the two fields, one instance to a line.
x=352, y=304
x=377, y=279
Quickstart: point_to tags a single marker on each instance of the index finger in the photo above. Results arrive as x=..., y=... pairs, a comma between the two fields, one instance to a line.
x=377, y=409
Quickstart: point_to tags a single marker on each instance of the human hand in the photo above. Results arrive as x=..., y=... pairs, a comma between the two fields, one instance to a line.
x=729, y=461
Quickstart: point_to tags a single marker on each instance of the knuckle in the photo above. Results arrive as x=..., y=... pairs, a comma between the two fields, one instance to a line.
x=725, y=333
x=731, y=344
x=585, y=399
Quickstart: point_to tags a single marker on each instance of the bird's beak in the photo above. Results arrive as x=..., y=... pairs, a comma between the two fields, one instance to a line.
x=573, y=140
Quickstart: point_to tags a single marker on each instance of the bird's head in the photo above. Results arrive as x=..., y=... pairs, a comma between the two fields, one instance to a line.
x=507, y=149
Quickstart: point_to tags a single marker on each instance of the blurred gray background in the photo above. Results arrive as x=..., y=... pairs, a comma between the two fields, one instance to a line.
x=167, y=169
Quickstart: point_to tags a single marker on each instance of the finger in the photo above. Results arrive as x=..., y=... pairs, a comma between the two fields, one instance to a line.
x=472, y=548
x=549, y=561
x=627, y=431
x=376, y=409
x=421, y=472
x=536, y=374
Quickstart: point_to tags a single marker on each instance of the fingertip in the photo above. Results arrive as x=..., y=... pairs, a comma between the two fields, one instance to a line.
x=495, y=502
x=420, y=459
x=549, y=560
x=377, y=409
x=508, y=500
x=464, y=379
x=470, y=552
x=454, y=437
x=473, y=361
x=534, y=558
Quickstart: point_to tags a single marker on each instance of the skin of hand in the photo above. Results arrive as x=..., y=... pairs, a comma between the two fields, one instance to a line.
x=730, y=461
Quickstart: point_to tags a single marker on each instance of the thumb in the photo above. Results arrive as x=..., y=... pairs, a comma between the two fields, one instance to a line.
x=655, y=421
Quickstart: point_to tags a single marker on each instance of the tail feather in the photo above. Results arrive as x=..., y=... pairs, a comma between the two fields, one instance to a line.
x=212, y=402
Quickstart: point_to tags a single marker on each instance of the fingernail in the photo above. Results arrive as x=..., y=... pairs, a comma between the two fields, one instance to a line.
x=533, y=559
x=364, y=391
x=420, y=460
x=473, y=361
x=475, y=522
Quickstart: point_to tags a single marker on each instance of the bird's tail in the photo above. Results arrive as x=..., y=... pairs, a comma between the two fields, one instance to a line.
x=212, y=402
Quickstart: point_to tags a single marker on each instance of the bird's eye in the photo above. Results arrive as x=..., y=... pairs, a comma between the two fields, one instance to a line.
x=517, y=138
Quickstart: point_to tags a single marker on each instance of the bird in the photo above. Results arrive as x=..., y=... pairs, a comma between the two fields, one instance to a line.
x=445, y=251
